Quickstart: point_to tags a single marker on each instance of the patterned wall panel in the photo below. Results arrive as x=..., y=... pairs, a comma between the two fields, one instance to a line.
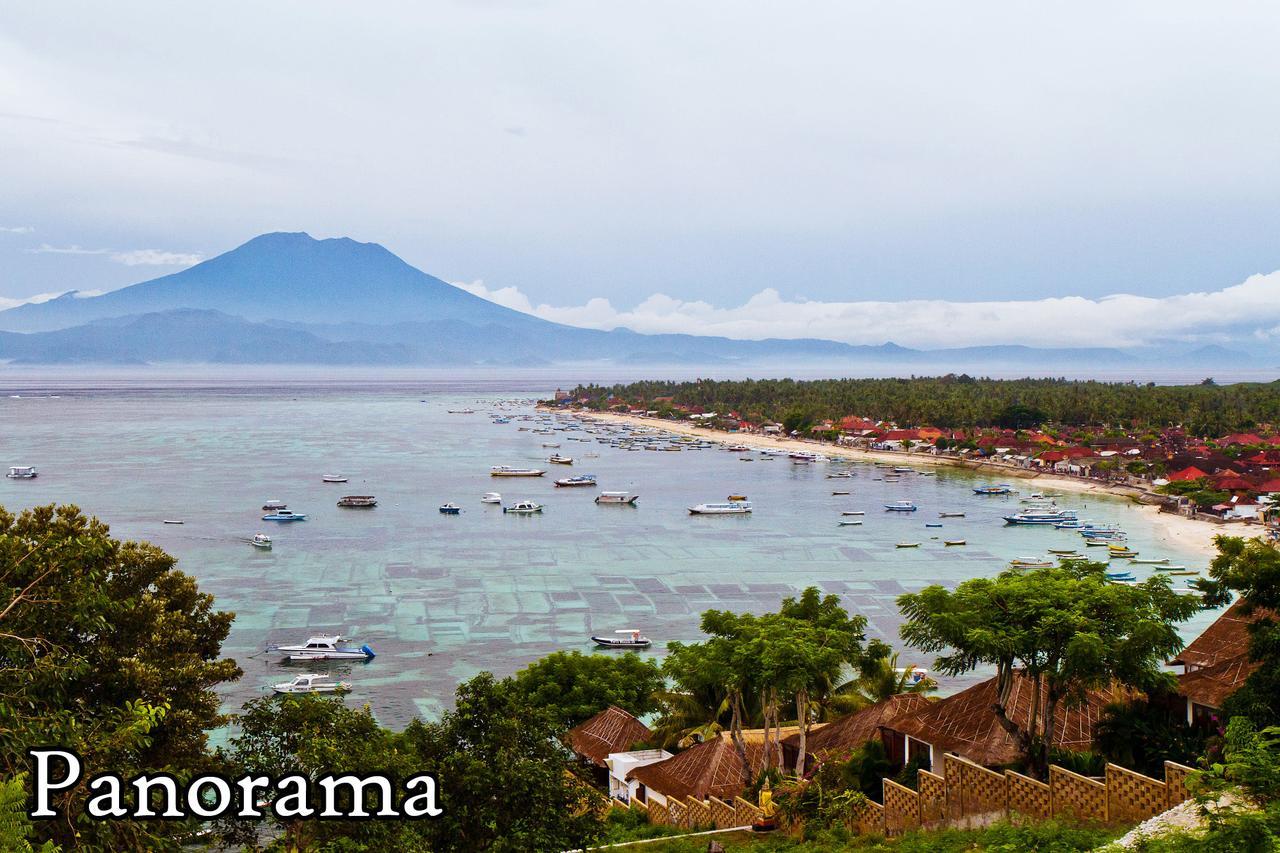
x=638, y=806
x=1132, y=797
x=1077, y=796
x=1027, y=796
x=723, y=815
x=901, y=808
x=953, y=770
x=868, y=818
x=933, y=798
x=658, y=813
x=748, y=813
x=678, y=812
x=1175, y=783
x=698, y=815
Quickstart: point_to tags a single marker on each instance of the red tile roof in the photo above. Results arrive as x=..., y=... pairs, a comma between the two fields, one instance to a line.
x=1187, y=474
x=612, y=730
x=965, y=724
x=854, y=730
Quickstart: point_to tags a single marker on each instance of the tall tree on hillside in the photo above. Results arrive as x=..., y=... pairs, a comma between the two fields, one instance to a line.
x=572, y=687
x=1065, y=629
x=1251, y=569
x=105, y=649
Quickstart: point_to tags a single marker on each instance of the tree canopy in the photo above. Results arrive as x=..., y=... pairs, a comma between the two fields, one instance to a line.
x=1066, y=629
x=571, y=686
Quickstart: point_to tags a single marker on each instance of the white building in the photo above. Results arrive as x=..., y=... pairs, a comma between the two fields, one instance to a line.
x=621, y=764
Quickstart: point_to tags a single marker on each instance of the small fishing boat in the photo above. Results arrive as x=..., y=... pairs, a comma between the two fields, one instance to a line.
x=901, y=506
x=550, y=444
x=174, y=521
x=932, y=524
x=1124, y=554
x=1186, y=572
x=491, y=498
x=1030, y=564
x=261, y=540
x=730, y=508
x=523, y=508
x=850, y=522
x=1150, y=561
x=1095, y=543
x=951, y=515
x=358, y=501
x=736, y=498
x=284, y=515
x=907, y=545
x=579, y=480
x=312, y=683
x=954, y=542
x=333, y=478
x=1120, y=576
x=508, y=471
x=450, y=509
x=461, y=411
x=853, y=512
x=902, y=470
x=840, y=475
x=1066, y=552
x=839, y=493
x=557, y=459
x=324, y=647
x=738, y=448
x=21, y=472
x=623, y=498
x=1167, y=568
x=1002, y=489
x=273, y=504
x=1039, y=517
x=631, y=639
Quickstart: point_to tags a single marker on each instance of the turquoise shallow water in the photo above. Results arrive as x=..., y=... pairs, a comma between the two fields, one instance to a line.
x=442, y=597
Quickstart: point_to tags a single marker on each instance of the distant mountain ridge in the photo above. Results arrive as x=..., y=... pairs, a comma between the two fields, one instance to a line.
x=290, y=298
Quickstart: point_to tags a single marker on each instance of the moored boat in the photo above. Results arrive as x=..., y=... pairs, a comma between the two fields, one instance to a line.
x=730, y=508
x=312, y=683
x=736, y=498
x=623, y=498
x=333, y=478
x=508, y=471
x=358, y=501
x=579, y=480
x=491, y=498
x=908, y=545
x=951, y=515
x=901, y=506
x=1002, y=489
x=450, y=509
x=557, y=459
x=284, y=515
x=954, y=542
x=324, y=647
x=261, y=540
x=523, y=508
x=274, y=504
x=22, y=472
x=631, y=639
x=853, y=512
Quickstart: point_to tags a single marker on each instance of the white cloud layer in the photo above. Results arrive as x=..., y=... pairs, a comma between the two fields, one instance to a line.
x=16, y=229
x=130, y=258
x=1249, y=311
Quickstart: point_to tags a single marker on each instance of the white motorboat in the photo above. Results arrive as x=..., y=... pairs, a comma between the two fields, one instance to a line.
x=625, y=498
x=312, y=683
x=508, y=471
x=261, y=540
x=333, y=478
x=284, y=515
x=730, y=508
x=21, y=472
x=523, y=508
x=579, y=480
x=853, y=512
x=557, y=459
x=324, y=647
x=491, y=498
x=633, y=639
x=901, y=506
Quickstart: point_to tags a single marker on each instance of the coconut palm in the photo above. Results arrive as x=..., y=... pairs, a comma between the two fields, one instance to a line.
x=878, y=678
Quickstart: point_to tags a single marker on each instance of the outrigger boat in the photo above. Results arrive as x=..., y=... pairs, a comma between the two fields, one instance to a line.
x=736, y=498
x=1002, y=489
x=908, y=545
x=312, y=683
x=1150, y=561
x=633, y=640
x=358, y=501
x=557, y=459
x=580, y=480
x=730, y=508
x=850, y=522
x=325, y=647
x=954, y=542
x=853, y=512
x=1030, y=564
x=261, y=540
x=284, y=515
x=508, y=471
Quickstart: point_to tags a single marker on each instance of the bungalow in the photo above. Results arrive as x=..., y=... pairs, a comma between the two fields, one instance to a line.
x=965, y=724
x=853, y=731
x=1216, y=663
x=710, y=769
x=612, y=730
x=1187, y=475
x=620, y=764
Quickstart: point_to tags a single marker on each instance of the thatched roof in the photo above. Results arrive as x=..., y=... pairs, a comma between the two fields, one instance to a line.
x=713, y=768
x=1227, y=637
x=1211, y=685
x=965, y=723
x=852, y=731
x=612, y=730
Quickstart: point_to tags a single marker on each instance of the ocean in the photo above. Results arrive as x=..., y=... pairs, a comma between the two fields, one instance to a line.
x=443, y=597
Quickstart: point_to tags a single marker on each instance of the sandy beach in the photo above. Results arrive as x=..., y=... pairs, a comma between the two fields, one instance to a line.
x=1189, y=533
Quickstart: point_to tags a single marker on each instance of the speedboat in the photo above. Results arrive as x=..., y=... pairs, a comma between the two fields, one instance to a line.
x=523, y=508
x=312, y=683
x=730, y=508
x=284, y=515
x=617, y=498
x=333, y=478
x=450, y=509
x=1039, y=516
x=579, y=480
x=491, y=498
x=557, y=459
x=1002, y=489
x=508, y=471
x=358, y=501
x=21, y=472
x=901, y=506
x=274, y=504
x=324, y=647
x=261, y=540
x=633, y=639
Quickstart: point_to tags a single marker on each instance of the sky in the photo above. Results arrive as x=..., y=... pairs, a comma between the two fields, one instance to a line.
x=831, y=169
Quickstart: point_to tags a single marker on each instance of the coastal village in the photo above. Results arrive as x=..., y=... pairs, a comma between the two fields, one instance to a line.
x=1231, y=478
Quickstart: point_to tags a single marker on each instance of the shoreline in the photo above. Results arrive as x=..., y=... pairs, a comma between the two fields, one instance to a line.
x=1189, y=533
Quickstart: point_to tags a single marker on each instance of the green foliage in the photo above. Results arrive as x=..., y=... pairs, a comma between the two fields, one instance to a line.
x=879, y=676
x=572, y=687
x=1251, y=569
x=105, y=649
x=963, y=401
x=1065, y=628
x=1144, y=733
x=15, y=826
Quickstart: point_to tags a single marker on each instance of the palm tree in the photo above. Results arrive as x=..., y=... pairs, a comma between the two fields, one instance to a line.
x=877, y=679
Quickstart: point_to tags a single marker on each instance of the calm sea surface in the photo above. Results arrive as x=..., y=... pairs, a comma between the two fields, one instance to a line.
x=443, y=597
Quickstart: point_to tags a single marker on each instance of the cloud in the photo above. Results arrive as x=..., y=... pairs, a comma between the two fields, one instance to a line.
x=130, y=258
x=8, y=302
x=1249, y=311
x=156, y=258
x=16, y=229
